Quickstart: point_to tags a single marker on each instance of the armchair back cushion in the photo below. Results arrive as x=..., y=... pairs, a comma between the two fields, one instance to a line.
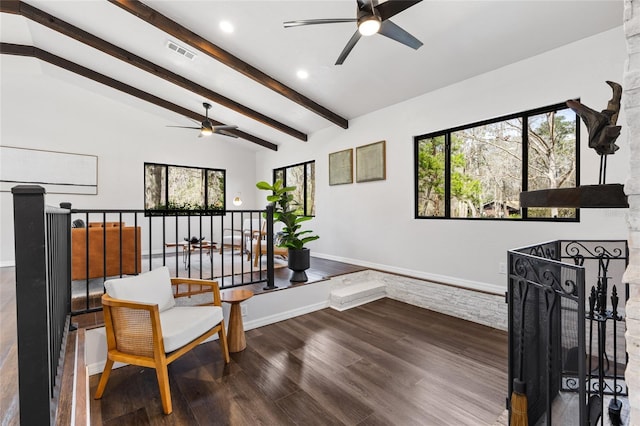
x=151, y=287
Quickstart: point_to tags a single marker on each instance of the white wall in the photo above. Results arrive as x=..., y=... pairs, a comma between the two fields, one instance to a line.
x=43, y=111
x=367, y=223
x=373, y=223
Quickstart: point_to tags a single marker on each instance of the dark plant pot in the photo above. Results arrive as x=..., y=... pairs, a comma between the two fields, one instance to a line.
x=299, y=261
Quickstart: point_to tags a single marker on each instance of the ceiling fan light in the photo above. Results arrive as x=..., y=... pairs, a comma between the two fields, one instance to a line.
x=207, y=127
x=369, y=25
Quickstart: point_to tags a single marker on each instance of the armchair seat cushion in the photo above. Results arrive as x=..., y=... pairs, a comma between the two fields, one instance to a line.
x=182, y=324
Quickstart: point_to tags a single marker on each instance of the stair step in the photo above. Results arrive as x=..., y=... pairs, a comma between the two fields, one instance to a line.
x=353, y=295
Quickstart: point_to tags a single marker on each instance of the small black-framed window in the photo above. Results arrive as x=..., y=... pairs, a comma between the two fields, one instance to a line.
x=303, y=177
x=477, y=171
x=171, y=189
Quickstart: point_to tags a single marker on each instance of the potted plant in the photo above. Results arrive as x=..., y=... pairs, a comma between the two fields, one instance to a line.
x=287, y=211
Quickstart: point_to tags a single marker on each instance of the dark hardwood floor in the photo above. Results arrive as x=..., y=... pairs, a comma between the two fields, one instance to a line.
x=9, y=405
x=384, y=363
x=9, y=414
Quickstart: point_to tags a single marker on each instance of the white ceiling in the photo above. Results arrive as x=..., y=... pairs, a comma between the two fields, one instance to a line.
x=461, y=39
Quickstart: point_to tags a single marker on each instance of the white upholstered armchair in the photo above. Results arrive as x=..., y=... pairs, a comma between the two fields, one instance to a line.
x=145, y=327
x=259, y=243
x=240, y=238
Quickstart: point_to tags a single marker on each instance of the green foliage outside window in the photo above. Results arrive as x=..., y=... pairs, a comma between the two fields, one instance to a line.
x=183, y=190
x=303, y=177
x=478, y=171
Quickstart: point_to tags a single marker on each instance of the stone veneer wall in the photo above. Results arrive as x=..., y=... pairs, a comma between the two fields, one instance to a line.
x=483, y=308
x=631, y=105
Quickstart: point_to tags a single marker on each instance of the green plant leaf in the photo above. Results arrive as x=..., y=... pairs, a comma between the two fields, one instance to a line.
x=264, y=185
x=300, y=219
x=308, y=239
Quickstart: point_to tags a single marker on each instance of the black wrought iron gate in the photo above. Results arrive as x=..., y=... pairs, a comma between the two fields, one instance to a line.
x=567, y=343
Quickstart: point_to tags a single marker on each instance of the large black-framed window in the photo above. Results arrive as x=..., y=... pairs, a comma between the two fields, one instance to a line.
x=303, y=177
x=170, y=189
x=477, y=171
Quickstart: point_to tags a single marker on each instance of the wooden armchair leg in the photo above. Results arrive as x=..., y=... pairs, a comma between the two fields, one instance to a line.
x=104, y=378
x=222, y=338
x=163, y=384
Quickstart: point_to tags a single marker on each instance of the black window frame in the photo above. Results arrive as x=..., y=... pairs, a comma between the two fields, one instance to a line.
x=525, y=164
x=305, y=197
x=170, y=212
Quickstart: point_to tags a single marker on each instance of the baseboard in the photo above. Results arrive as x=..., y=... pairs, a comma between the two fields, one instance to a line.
x=271, y=319
x=435, y=278
x=7, y=263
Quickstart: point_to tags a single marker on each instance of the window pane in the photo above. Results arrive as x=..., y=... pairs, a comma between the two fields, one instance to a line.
x=486, y=170
x=295, y=177
x=186, y=188
x=311, y=189
x=215, y=190
x=155, y=188
x=552, y=157
x=278, y=175
x=431, y=176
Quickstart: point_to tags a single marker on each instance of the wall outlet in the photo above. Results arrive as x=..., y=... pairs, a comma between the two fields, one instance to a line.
x=502, y=268
x=243, y=310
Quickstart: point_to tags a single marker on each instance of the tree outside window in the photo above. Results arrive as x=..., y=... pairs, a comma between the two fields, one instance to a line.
x=176, y=189
x=479, y=170
x=303, y=177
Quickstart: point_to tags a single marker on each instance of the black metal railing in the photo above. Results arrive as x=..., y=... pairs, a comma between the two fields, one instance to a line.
x=42, y=243
x=59, y=263
x=115, y=243
x=559, y=338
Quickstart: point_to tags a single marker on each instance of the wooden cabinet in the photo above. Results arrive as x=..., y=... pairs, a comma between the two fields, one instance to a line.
x=115, y=245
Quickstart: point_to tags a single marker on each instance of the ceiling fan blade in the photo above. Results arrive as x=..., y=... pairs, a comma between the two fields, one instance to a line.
x=186, y=127
x=224, y=127
x=225, y=133
x=394, y=32
x=300, y=23
x=347, y=49
x=393, y=7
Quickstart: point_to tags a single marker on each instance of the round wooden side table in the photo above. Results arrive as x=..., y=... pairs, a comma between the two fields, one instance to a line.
x=235, y=333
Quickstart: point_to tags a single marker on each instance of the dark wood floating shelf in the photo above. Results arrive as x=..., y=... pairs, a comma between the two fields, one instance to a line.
x=585, y=197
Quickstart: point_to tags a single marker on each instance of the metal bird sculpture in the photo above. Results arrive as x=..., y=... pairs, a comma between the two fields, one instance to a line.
x=601, y=126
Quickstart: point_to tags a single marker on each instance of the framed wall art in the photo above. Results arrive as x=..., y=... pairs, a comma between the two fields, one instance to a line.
x=341, y=167
x=371, y=162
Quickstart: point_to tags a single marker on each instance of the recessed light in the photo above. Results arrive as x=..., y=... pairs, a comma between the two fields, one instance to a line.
x=226, y=26
x=302, y=74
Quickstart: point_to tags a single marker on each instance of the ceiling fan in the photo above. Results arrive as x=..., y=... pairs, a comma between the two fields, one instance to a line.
x=371, y=18
x=207, y=128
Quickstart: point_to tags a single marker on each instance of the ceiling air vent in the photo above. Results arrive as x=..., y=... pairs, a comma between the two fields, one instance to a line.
x=181, y=50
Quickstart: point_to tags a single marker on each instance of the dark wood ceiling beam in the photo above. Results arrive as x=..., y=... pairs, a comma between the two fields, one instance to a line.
x=51, y=22
x=22, y=50
x=169, y=26
x=10, y=6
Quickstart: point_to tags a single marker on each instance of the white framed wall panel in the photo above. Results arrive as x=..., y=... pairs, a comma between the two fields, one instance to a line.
x=57, y=172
